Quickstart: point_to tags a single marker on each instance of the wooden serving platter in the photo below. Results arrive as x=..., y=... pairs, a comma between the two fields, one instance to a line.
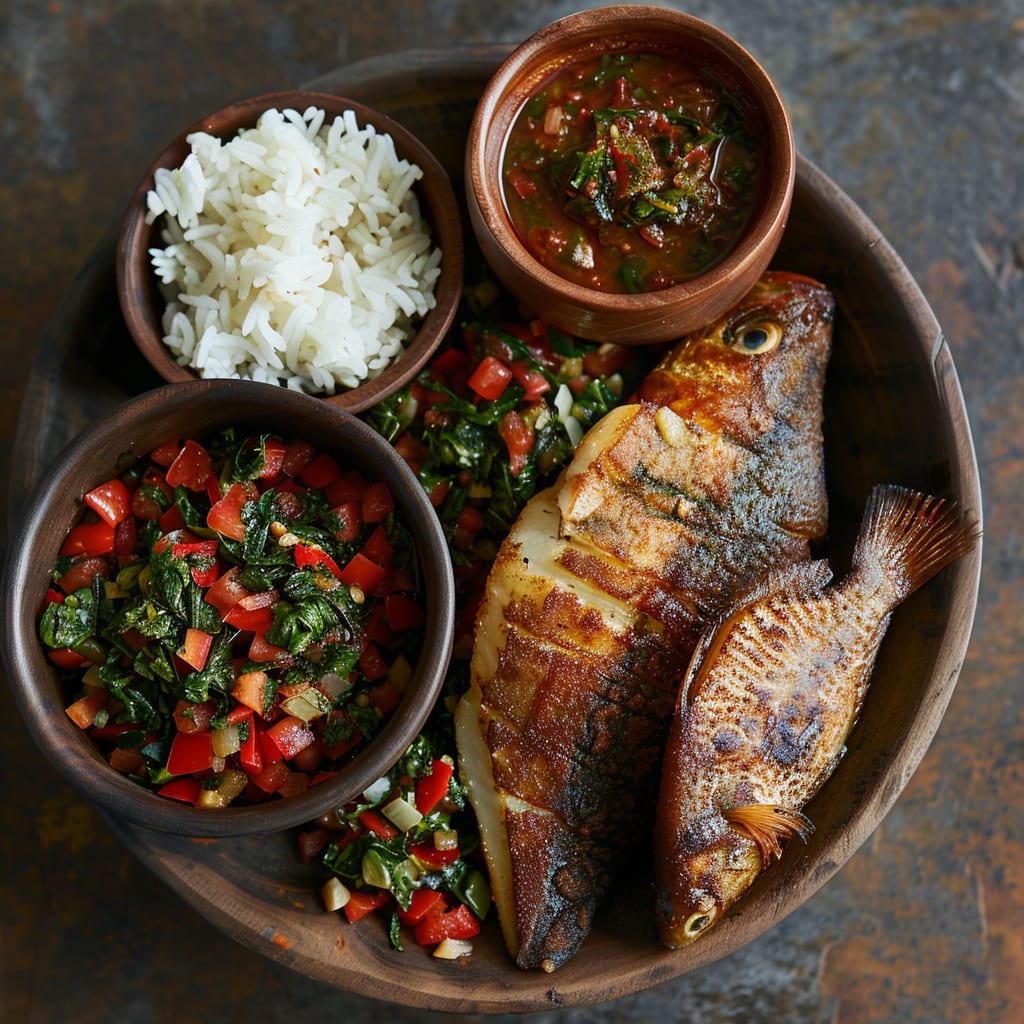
x=894, y=413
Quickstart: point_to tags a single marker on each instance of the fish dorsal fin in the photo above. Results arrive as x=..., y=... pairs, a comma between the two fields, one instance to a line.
x=769, y=826
x=799, y=580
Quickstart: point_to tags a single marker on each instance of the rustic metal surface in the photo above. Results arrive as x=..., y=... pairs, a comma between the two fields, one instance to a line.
x=917, y=111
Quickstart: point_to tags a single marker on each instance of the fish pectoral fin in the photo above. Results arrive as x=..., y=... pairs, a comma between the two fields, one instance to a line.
x=768, y=826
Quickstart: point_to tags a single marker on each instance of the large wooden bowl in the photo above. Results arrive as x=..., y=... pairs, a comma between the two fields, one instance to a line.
x=894, y=413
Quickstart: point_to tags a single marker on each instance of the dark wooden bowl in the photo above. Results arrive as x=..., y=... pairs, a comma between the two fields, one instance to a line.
x=108, y=447
x=142, y=305
x=894, y=412
x=609, y=316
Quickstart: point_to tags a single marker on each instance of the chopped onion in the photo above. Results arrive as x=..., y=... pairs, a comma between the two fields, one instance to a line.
x=334, y=893
x=376, y=791
x=452, y=949
x=226, y=741
x=402, y=814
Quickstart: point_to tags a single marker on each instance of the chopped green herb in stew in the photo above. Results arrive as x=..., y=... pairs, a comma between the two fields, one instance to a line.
x=631, y=172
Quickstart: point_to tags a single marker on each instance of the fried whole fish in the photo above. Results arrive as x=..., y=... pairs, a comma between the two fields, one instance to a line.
x=671, y=505
x=768, y=701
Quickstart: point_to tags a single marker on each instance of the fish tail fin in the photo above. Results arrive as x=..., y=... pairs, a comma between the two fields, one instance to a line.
x=909, y=537
x=768, y=825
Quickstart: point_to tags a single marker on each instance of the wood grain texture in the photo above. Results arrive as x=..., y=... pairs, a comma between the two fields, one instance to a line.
x=923, y=922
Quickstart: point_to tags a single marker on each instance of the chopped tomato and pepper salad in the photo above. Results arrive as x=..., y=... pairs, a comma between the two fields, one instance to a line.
x=235, y=615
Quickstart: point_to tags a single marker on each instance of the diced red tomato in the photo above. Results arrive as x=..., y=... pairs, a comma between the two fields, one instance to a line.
x=262, y=650
x=88, y=539
x=196, y=648
x=297, y=455
x=274, y=452
x=361, y=572
x=350, y=518
x=372, y=663
x=362, y=903
x=518, y=437
x=523, y=185
x=172, y=520
x=83, y=711
x=164, y=454
x=126, y=536
x=378, y=548
x=81, y=574
x=127, y=760
x=431, y=789
x=490, y=378
x=190, y=752
x=226, y=515
x=377, y=502
x=533, y=382
x=290, y=735
x=323, y=470
x=272, y=777
x=313, y=842
x=347, y=486
x=201, y=549
x=191, y=469
x=251, y=689
x=192, y=717
x=403, y=612
x=111, y=501
x=225, y=592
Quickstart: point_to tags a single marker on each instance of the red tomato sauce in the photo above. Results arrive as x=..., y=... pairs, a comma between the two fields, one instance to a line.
x=631, y=172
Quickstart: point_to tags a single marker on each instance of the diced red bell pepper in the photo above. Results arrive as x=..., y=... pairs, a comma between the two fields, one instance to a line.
x=533, y=382
x=66, y=659
x=431, y=789
x=377, y=824
x=190, y=752
x=346, y=487
x=307, y=557
x=362, y=903
x=458, y=923
x=490, y=378
x=171, y=520
x=201, y=549
x=431, y=857
x=254, y=613
x=522, y=184
x=111, y=501
x=192, y=717
x=250, y=754
x=185, y=789
x=361, y=572
x=192, y=467
x=126, y=760
x=421, y=903
x=126, y=536
x=88, y=539
x=372, y=663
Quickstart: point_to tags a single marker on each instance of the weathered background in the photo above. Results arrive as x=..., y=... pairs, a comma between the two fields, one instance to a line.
x=917, y=111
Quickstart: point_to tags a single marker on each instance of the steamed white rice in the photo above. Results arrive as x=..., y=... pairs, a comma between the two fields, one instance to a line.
x=294, y=253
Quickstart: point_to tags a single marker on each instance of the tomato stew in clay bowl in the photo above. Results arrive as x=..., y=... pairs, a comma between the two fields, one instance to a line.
x=230, y=609
x=296, y=238
x=629, y=173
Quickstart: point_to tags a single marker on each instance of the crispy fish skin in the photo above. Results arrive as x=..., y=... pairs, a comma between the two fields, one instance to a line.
x=597, y=598
x=769, y=700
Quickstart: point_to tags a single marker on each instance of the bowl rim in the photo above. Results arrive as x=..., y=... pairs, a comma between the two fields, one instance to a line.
x=541, y=53
x=136, y=282
x=72, y=752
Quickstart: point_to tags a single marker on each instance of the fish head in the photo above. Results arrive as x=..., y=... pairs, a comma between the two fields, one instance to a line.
x=755, y=365
x=712, y=866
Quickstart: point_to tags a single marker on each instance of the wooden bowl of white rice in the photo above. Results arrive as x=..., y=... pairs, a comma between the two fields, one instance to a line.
x=296, y=238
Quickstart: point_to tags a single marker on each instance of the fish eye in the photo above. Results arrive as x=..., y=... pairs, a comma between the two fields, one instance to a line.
x=754, y=338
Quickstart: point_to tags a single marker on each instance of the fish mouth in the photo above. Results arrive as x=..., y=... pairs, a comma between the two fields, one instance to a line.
x=699, y=922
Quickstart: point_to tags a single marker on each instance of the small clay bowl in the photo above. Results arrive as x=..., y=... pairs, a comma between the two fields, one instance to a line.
x=652, y=316
x=142, y=304
x=194, y=409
